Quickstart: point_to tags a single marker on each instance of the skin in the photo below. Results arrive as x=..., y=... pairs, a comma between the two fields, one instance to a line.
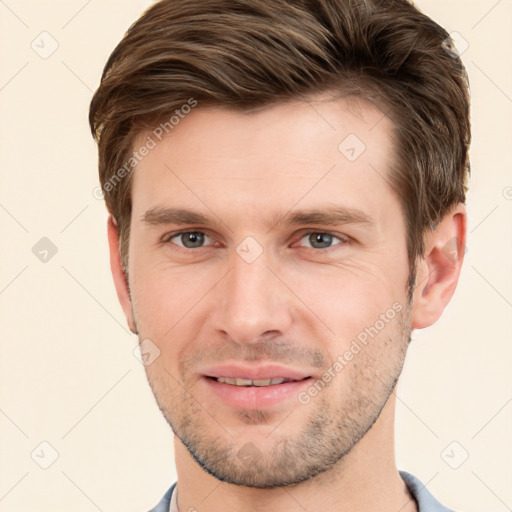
x=295, y=304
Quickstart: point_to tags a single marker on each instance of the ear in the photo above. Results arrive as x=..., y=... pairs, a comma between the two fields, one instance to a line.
x=119, y=275
x=439, y=268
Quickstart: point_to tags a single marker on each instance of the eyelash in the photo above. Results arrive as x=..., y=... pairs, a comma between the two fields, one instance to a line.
x=342, y=239
x=166, y=239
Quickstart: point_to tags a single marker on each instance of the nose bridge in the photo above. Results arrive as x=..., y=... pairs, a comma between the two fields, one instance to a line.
x=249, y=283
x=251, y=304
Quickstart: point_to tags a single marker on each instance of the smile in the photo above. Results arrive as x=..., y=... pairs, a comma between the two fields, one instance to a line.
x=248, y=382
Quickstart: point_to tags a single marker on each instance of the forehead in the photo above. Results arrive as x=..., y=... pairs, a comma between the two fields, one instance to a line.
x=316, y=152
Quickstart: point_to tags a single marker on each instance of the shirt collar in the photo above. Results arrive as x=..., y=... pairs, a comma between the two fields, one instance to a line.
x=425, y=501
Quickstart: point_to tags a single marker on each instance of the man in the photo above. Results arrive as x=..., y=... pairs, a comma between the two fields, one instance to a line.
x=286, y=184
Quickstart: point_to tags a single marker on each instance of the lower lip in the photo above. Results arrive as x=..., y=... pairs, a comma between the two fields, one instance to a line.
x=253, y=397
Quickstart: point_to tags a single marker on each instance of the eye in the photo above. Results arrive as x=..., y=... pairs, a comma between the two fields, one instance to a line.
x=190, y=239
x=319, y=240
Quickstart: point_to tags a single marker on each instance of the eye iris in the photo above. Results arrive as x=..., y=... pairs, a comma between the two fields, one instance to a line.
x=192, y=240
x=320, y=240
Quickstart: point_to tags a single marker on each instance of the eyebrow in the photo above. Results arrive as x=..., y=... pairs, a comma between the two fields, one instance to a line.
x=328, y=217
x=159, y=216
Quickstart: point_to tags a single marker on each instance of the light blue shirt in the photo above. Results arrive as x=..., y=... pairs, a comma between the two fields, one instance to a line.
x=426, y=502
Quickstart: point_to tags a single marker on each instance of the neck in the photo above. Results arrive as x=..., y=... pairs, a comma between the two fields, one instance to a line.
x=366, y=479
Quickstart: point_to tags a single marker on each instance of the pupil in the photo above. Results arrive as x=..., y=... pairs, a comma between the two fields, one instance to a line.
x=320, y=240
x=193, y=239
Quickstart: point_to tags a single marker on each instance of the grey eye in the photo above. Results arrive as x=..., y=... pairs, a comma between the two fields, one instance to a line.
x=190, y=240
x=320, y=240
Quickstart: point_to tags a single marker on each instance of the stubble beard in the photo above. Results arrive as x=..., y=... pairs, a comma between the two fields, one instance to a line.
x=329, y=434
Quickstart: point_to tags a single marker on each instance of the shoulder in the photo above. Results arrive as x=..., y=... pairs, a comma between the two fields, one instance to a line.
x=165, y=503
x=426, y=502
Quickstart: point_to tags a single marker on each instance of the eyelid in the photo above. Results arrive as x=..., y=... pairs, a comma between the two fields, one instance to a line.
x=165, y=239
x=343, y=239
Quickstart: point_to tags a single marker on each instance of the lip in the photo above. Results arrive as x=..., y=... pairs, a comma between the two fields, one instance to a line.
x=252, y=397
x=267, y=371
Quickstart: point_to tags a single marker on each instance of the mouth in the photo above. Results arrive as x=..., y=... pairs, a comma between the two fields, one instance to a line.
x=258, y=383
x=250, y=387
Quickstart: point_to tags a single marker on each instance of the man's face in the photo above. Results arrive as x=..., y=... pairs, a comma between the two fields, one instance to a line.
x=271, y=245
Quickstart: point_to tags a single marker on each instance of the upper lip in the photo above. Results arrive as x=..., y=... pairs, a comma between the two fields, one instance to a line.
x=259, y=372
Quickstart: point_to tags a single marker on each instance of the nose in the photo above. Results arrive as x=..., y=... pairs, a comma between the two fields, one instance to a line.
x=251, y=302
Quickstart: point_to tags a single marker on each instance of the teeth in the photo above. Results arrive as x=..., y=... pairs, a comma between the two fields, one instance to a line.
x=226, y=380
x=243, y=382
x=249, y=382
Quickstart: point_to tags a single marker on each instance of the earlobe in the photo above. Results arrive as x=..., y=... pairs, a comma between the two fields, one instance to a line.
x=119, y=275
x=439, y=269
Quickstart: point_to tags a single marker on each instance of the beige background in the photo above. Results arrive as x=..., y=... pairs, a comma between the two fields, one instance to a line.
x=68, y=376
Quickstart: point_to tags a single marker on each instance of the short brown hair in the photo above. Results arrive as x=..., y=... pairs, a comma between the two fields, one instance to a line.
x=243, y=54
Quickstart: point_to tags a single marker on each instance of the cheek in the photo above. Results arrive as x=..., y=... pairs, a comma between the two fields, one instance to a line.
x=351, y=297
x=169, y=300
